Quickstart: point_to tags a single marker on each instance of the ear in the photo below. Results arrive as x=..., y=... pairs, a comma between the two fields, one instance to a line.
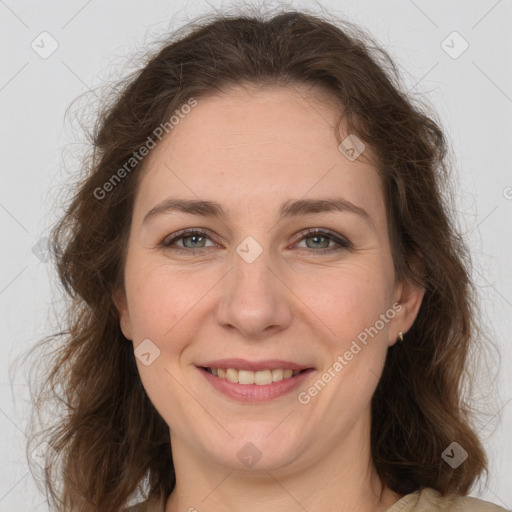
x=409, y=295
x=119, y=297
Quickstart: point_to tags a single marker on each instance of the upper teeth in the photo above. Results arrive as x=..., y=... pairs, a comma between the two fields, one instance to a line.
x=261, y=377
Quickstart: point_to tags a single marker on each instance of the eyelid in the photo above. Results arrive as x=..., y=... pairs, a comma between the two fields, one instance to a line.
x=166, y=242
x=343, y=242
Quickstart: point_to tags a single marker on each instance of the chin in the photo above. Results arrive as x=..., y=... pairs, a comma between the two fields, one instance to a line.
x=256, y=451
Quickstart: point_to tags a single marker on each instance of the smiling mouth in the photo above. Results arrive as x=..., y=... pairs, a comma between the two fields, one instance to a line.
x=260, y=378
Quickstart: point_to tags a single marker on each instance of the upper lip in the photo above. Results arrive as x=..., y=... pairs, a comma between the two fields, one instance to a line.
x=244, y=364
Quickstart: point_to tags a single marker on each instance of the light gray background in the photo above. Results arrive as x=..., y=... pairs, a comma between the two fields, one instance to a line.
x=472, y=94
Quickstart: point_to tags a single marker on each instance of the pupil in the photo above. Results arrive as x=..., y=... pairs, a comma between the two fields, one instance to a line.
x=195, y=237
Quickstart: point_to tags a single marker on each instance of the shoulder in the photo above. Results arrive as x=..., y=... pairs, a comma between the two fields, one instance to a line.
x=430, y=500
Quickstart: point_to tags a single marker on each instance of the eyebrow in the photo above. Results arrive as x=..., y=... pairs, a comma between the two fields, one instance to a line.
x=289, y=208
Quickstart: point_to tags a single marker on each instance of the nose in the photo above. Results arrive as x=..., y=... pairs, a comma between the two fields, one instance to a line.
x=255, y=300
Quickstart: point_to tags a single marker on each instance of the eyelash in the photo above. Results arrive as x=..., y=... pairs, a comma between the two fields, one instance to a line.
x=343, y=243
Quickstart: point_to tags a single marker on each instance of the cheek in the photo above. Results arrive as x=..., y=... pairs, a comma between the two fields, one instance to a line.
x=347, y=300
x=167, y=303
x=157, y=299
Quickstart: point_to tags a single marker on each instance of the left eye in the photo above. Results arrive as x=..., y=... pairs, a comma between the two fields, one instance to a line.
x=321, y=240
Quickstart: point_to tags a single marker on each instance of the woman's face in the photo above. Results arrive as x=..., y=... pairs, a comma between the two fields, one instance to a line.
x=253, y=290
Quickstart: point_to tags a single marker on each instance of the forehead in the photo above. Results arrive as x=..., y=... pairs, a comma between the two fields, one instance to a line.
x=248, y=147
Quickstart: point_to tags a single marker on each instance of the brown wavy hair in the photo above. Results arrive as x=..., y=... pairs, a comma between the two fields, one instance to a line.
x=109, y=442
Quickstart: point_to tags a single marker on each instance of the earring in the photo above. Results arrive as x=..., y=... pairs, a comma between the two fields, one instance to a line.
x=400, y=336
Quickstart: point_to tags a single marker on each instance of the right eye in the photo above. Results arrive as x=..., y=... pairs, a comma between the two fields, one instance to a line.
x=191, y=238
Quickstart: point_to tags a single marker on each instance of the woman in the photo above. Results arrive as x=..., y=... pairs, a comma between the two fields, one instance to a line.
x=271, y=307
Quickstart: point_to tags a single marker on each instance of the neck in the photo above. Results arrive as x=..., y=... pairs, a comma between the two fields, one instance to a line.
x=343, y=479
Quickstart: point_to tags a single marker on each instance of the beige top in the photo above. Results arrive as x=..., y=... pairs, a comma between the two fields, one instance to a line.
x=430, y=500
x=426, y=500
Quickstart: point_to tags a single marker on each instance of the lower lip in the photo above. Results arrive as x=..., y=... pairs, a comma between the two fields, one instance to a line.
x=254, y=392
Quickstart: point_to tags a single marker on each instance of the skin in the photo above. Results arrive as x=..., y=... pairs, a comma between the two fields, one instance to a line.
x=251, y=150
